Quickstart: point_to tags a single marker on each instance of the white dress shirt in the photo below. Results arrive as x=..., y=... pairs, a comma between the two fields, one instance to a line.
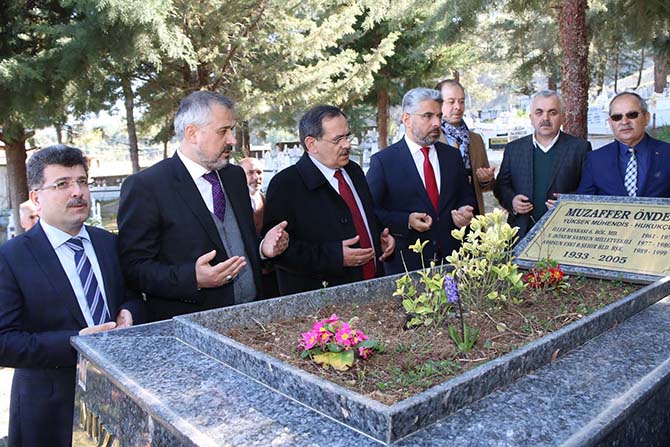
x=417, y=155
x=329, y=173
x=196, y=172
x=57, y=239
x=545, y=149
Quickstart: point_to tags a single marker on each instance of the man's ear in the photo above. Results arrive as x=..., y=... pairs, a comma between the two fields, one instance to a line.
x=405, y=119
x=310, y=144
x=35, y=198
x=190, y=133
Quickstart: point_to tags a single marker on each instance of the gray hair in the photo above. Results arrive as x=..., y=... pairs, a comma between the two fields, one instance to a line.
x=411, y=100
x=643, y=104
x=548, y=94
x=196, y=109
x=58, y=154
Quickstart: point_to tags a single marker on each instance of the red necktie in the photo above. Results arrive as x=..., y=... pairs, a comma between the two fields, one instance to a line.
x=364, y=239
x=429, y=175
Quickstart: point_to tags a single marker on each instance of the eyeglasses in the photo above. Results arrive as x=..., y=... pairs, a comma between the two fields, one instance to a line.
x=428, y=115
x=339, y=140
x=65, y=185
x=629, y=115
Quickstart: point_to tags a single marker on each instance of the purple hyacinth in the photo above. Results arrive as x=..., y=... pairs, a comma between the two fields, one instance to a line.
x=451, y=289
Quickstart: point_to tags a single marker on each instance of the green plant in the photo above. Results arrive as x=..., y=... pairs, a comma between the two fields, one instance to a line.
x=483, y=265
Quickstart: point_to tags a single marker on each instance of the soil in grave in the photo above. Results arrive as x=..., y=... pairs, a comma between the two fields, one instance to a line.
x=414, y=360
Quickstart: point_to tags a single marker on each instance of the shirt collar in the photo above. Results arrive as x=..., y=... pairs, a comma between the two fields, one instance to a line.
x=58, y=237
x=327, y=172
x=549, y=146
x=623, y=149
x=413, y=147
x=194, y=169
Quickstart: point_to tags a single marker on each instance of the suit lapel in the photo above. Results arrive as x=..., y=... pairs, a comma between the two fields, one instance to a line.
x=189, y=193
x=47, y=260
x=560, y=159
x=526, y=163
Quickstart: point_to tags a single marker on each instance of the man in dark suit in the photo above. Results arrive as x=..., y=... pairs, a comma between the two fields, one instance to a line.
x=419, y=185
x=186, y=229
x=537, y=168
x=335, y=237
x=635, y=164
x=57, y=280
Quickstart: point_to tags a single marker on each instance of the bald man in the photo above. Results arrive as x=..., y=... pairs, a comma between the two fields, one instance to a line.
x=27, y=215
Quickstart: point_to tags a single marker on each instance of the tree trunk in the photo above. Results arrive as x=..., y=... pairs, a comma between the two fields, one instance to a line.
x=242, y=136
x=616, y=72
x=640, y=70
x=14, y=137
x=165, y=147
x=551, y=82
x=59, y=133
x=660, y=72
x=456, y=75
x=575, y=68
x=129, y=98
x=383, y=117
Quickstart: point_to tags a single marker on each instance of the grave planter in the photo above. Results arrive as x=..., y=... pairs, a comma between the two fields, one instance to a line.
x=383, y=422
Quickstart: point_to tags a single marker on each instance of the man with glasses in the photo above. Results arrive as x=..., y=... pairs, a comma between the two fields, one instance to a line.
x=635, y=164
x=57, y=280
x=419, y=185
x=186, y=228
x=537, y=168
x=335, y=236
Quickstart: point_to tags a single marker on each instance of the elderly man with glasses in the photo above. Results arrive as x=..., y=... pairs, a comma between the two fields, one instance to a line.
x=420, y=186
x=335, y=236
x=634, y=164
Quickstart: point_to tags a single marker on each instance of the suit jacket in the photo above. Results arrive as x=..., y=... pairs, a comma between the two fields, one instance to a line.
x=164, y=226
x=601, y=174
x=38, y=315
x=318, y=221
x=258, y=214
x=397, y=191
x=478, y=159
x=516, y=173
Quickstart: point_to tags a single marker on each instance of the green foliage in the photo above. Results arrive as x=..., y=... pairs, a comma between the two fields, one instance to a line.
x=483, y=264
x=426, y=304
x=466, y=339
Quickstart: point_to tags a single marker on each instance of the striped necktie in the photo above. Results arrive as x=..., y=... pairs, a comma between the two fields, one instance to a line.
x=630, y=179
x=94, y=298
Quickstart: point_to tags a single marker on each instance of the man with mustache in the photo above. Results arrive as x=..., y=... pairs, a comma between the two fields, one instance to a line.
x=186, y=229
x=59, y=279
x=419, y=185
x=635, y=164
x=456, y=134
x=335, y=236
x=537, y=168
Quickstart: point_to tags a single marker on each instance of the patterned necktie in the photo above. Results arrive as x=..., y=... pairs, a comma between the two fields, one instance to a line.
x=429, y=176
x=630, y=179
x=96, y=303
x=218, y=197
x=369, y=269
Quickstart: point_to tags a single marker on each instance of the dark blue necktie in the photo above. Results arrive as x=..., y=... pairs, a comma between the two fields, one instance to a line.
x=96, y=303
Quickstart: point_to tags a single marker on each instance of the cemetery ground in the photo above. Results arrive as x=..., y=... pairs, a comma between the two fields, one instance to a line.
x=413, y=360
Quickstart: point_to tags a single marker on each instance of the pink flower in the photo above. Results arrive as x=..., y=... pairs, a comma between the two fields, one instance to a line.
x=344, y=335
x=333, y=319
x=364, y=352
x=309, y=339
x=359, y=337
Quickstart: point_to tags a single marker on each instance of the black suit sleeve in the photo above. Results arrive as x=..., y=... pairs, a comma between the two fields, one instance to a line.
x=503, y=189
x=140, y=239
x=21, y=348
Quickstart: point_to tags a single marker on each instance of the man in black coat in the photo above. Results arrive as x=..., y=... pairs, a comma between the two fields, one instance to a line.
x=335, y=237
x=537, y=168
x=186, y=229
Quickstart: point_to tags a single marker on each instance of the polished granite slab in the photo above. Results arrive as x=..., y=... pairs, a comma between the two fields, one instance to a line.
x=147, y=383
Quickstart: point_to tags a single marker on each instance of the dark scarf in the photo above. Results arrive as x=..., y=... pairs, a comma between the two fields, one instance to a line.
x=462, y=135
